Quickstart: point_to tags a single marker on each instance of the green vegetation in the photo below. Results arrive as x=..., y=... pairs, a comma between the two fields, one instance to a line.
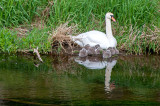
x=8, y=41
x=137, y=28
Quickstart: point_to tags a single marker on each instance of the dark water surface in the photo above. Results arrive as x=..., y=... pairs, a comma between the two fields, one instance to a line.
x=79, y=81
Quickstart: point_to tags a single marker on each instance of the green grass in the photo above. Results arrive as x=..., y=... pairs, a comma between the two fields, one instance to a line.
x=15, y=12
x=88, y=15
x=126, y=11
x=36, y=38
x=8, y=41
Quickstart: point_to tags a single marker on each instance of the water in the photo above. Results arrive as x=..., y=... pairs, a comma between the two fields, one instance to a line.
x=69, y=80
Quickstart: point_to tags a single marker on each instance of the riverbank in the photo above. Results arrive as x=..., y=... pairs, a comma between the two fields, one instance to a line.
x=22, y=29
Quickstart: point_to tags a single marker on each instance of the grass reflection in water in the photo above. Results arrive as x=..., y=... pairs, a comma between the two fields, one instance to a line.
x=72, y=80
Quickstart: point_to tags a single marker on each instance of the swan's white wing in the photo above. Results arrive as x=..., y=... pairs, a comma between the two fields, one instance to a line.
x=92, y=65
x=98, y=37
x=92, y=38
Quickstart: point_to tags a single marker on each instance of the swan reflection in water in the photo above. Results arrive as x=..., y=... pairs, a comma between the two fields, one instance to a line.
x=97, y=63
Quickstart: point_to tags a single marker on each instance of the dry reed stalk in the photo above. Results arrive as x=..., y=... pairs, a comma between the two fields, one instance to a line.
x=130, y=34
x=62, y=36
x=38, y=24
x=151, y=35
x=134, y=37
x=46, y=12
x=21, y=31
x=120, y=31
x=137, y=38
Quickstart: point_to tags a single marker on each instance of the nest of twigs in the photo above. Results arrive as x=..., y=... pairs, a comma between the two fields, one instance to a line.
x=61, y=39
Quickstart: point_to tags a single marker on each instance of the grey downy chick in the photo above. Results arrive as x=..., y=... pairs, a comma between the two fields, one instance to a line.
x=116, y=50
x=97, y=46
x=112, y=50
x=107, y=54
x=83, y=52
x=87, y=46
x=99, y=50
x=91, y=50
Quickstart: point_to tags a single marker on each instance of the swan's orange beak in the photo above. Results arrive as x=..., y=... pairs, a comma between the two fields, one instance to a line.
x=113, y=19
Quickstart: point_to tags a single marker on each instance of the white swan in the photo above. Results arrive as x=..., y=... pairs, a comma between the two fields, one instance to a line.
x=100, y=65
x=91, y=62
x=96, y=37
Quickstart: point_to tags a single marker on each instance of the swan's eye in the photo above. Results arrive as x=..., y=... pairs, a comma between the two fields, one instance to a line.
x=113, y=19
x=112, y=16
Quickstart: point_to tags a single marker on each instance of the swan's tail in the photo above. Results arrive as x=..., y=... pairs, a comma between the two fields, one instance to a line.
x=77, y=40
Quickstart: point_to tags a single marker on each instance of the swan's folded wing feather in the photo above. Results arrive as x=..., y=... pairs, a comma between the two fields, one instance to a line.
x=96, y=37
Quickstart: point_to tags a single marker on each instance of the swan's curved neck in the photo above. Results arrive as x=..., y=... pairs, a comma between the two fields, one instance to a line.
x=108, y=28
